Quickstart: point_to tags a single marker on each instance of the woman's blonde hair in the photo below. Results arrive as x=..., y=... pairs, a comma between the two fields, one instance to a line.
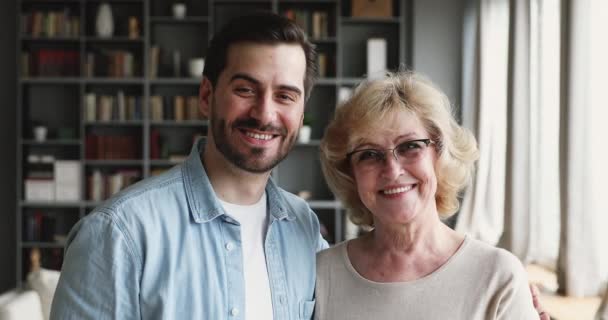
x=368, y=109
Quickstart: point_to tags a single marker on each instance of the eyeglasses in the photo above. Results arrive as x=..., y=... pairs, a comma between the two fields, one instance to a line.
x=405, y=153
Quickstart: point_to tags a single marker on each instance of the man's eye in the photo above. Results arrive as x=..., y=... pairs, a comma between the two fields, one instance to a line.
x=244, y=90
x=370, y=155
x=286, y=97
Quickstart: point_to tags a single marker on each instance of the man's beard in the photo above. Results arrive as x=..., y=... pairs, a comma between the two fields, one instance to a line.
x=249, y=161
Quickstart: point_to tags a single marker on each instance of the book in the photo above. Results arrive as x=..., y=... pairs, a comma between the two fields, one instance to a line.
x=376, y=58
x=67, y=180
x=179, y=108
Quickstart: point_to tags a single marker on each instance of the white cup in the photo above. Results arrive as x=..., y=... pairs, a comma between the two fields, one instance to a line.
x=196, y=67
x=179, y=10
x=40, y=133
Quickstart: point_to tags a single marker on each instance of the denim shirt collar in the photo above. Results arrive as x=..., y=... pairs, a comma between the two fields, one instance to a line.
x=202, y=200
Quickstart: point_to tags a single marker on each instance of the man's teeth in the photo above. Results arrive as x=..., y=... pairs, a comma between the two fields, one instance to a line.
x=259, y=136
x=397, y=190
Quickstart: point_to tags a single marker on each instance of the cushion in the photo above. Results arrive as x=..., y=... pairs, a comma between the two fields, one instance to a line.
x=20, y=305
x=44, y=282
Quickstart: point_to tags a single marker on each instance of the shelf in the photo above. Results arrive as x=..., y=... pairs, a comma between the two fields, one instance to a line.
x=351, y=81
x=324, y=204
x=58, y=39
x=114, y=40
x=311, y=143
x=243, y=1
x=117, y=1
x=342, y=41
x=49, y=204
x=326, y=81
x=115, y=123
x=172, y=20
x=165, y=163
x=56, y=142
x=43, y=245
x=185, y=123
x=50, y=1
x=50, y=80
x=92, y=204
x=173, y=81
x=114, y=163
x=329, y=40
x=116, y=80
x=364, y=20
x=308, y=1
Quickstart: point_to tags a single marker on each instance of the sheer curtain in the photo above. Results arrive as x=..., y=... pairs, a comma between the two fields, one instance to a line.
x=540, y=119
x=484, y=105
x=511, y=101
x=583, y=257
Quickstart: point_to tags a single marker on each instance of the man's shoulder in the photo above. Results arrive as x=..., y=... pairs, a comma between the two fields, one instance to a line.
x=150, y=190
x=294, y=200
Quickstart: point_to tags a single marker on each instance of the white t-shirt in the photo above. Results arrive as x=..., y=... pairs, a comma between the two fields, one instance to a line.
x=254, y=224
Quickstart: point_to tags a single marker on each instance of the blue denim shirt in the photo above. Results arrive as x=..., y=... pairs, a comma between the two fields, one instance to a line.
x=165, y=249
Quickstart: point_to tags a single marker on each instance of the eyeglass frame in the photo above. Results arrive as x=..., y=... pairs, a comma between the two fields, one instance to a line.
x=426, y=141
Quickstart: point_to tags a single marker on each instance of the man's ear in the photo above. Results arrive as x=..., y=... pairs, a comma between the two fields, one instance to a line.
x=205, y=96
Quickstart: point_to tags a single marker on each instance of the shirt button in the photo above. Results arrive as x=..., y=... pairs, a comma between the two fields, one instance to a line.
x=282, y=299
x=229, y=247
x=234, y=312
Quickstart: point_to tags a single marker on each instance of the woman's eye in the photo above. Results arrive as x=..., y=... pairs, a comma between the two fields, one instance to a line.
x=370, y=155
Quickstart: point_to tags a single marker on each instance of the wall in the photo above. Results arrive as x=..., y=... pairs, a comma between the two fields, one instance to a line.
x=8, y=140
x=437, y=43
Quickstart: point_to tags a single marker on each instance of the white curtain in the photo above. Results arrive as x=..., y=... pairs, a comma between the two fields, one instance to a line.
x=583, y=257
x=533, y=84
x=532, y=177
x=484, y=104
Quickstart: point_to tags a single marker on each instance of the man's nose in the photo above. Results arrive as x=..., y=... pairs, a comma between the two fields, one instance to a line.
x=264, y=109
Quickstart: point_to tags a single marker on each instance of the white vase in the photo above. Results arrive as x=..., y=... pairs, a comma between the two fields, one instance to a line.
x=304, y=134
x=179, y=10
x=105, y=21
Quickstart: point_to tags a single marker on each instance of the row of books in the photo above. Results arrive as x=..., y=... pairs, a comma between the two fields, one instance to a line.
x=119, y=107
x=102, y=185
x=112, y=147
x=177, y=108
x=110, y=63
x=61, y=183
x=315, y=23
x=45, y=227
x=50, y=24
x=160, y=148
x=50, y=63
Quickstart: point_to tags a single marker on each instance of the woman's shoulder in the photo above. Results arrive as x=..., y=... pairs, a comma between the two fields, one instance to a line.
x=332, y=253
x=497, y=260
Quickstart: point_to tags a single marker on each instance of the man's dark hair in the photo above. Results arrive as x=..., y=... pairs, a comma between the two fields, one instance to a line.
x=260, y=27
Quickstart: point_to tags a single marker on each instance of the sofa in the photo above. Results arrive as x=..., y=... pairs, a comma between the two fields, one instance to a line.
x=32, y=302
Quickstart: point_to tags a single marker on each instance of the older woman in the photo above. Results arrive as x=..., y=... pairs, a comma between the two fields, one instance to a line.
x=397, y=159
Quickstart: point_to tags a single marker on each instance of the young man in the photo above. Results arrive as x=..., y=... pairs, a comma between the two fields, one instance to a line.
x=213, y=238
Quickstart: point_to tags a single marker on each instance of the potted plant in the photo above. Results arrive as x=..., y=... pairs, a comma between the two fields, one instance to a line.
x=306, y=129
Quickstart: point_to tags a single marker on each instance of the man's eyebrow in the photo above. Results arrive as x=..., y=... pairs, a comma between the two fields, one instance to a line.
x=248, y=78
x=245, y=77
x=296, y=90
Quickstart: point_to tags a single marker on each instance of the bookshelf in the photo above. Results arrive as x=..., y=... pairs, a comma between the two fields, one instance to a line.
x=111, y=117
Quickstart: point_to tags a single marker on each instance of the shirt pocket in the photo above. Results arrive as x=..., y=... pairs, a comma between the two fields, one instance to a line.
x=306, y=309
